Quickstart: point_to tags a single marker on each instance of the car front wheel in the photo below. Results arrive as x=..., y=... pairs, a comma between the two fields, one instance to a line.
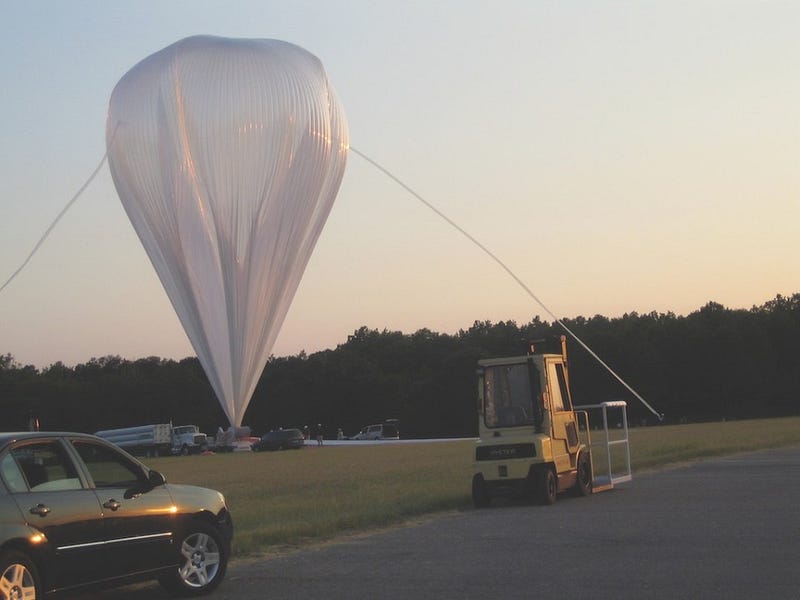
x=203, y=562
x=18, y=577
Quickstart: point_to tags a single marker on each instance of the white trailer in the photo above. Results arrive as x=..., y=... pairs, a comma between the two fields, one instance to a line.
x=157, y=440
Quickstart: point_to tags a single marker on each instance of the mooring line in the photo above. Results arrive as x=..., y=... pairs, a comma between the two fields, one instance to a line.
x=513, y=275
x=63, y=212
x=411, y=191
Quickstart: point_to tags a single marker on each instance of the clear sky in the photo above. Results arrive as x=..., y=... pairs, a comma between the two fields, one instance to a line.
x=618, y=156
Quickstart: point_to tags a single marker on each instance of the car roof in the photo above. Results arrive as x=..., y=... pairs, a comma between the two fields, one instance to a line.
x=8, y=437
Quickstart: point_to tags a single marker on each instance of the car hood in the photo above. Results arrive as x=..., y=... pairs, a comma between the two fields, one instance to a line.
x=192, y=498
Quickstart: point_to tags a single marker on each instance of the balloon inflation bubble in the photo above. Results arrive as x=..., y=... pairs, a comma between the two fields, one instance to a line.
x=227, y=155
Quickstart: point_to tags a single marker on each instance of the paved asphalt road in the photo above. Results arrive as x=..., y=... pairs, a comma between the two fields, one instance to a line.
x=724, y=528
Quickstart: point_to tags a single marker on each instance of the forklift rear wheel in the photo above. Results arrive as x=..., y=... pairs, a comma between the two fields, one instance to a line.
x=583, y=485
x=480, y=492
x=548, y=487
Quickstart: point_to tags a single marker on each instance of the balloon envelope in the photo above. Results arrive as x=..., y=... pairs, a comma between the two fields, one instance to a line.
x=227, y=156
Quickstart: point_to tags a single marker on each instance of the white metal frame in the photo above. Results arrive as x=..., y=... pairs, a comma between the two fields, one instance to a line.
x=606, y=482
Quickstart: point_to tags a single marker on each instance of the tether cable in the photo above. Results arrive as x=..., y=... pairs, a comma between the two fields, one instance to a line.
x=411, y=191
x=513, y=275
x=62, y=213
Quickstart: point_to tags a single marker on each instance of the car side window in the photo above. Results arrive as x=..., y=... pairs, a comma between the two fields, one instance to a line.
x=12, y=474
x=44, y=466
x=108, y=468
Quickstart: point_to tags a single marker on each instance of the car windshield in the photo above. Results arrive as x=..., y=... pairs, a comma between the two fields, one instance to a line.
x=508, y=396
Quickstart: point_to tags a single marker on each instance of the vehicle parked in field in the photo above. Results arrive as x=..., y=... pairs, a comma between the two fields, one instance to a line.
x=76, y=511
x=280, y=439
x=382, y=431
x=160, y=439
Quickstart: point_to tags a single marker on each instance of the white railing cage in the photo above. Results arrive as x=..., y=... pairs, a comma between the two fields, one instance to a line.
x=604, y=429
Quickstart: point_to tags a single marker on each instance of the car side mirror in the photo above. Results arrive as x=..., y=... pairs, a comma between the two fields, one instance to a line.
x=155, y=478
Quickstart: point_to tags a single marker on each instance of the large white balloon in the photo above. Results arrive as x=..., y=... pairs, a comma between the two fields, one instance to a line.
x=227, y=156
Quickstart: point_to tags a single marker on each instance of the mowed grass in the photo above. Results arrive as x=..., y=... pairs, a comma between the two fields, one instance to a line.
x=285, y=499
x=657, y=446
x=281, y=499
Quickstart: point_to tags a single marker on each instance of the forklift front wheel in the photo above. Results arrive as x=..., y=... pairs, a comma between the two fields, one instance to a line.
x=548, y=486
x=480, y=492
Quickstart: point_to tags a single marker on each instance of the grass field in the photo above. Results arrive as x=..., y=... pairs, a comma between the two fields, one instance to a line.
x=285, y=499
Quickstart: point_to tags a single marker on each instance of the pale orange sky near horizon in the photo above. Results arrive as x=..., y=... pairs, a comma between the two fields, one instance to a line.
x=617, y=156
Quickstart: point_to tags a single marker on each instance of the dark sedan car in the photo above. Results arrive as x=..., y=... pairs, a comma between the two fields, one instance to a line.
x=77, y=511
x=281, y=439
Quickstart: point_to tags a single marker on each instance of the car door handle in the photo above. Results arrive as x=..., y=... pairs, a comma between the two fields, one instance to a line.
x=112, y=504
x=40, y=509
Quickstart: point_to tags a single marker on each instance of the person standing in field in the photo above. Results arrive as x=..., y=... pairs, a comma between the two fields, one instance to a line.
x=319, y=434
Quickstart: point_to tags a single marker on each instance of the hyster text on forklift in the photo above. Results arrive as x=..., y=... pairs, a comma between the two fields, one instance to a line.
x=533, y=442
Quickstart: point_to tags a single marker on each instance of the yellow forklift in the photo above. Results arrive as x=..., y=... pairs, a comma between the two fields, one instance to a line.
x=533, y=442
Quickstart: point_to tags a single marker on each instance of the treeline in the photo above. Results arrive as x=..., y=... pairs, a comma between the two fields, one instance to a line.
x=712, y=364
